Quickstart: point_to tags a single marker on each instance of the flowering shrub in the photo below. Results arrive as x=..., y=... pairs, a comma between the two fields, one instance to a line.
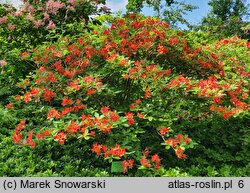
x=136, y=78
x=33, y=24
x=49, y=13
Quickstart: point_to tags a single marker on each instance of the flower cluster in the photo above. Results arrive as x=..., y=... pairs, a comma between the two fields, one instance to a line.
x=116, y=151
x=177, y=144
x=98, y=86
x=17, y=137
x=44, y=13
x=148, y=163
x=127, y=164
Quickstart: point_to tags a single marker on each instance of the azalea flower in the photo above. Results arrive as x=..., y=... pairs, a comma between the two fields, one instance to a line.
x=3, y=63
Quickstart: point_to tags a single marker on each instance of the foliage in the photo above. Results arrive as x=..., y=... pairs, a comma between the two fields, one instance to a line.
x=226, y=18
x=46, y=160
x=35, y=23
x=129, y=96
x=171, y=11
x=137, y=5
x=225, y=9
x=135, y=85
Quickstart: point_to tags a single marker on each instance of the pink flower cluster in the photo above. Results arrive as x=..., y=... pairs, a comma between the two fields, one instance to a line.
x=37, y=23
x=51, y=25
x=3, y=63
x=53, y=6
x=11, y=27
x=3, y=20
x=46, y=10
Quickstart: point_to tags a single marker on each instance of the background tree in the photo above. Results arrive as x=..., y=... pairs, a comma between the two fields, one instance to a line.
x=226, y=18
x=170, y=11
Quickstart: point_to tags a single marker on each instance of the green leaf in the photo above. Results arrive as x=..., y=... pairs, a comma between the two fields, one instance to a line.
x=65, y=52
x=128, y=153
x=150, y=118
x=96, y=115
x=142, y=168
x=86, y=137
x=116, y=167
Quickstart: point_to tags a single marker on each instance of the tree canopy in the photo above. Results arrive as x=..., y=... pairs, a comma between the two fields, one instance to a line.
x=227, y=18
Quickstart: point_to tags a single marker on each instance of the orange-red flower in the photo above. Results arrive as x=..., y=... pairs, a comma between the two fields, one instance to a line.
x=27, y=97
x=53, y=113
x=48, y=94
x=96, y=148
x=104, y=110
x=162, y=49
x=73, y=127
x=17, y=97
x=140, y=115
x=164, y=130
x=17, y=137
x=117, y=151
x=128, y=164
x=61, y=137
x=156, y=159
x=66, y=101
x=29, y=140
x=91, y=91
x=130, y=119
x=113, y=116
x=173, y=40
x=74, y=85
x=180, y=153
x=8, y=106
x=145, y=162
x=24, y=54
x=248, y=44
x=43, y=134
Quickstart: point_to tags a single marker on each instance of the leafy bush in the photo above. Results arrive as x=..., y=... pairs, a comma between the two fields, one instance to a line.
x=37, y=23
x=119, y=90
x=126, y=91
